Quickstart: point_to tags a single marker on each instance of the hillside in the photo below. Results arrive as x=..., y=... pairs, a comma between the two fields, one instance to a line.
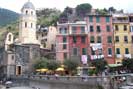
x=9, y=20
x=48, y=16
x=7, y=16
x=13, y=27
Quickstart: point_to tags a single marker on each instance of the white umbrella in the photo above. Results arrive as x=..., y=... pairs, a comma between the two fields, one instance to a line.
x=8, y=82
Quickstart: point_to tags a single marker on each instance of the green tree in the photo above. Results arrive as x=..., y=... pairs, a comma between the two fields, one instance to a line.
x=112, y=9
x=65, y=14
x=100, y=65
x=128, y=64
x=101, y=11
x=83, y=9
x=71, y=65
x=41, y=63
x=53, y=64
x=47, y=16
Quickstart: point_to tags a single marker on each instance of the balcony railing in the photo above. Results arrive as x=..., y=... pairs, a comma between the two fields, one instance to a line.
x=118, y=56
x=78, y=33
x=120, y=21
x=127, y=55
x=97, y=57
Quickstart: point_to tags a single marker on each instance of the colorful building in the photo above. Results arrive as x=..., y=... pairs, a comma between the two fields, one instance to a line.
x=100, y=37
x=131, y=32
x=122, y=37
x=72, y=41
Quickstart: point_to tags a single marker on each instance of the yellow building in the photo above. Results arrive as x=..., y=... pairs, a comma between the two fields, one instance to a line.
x=122, y=38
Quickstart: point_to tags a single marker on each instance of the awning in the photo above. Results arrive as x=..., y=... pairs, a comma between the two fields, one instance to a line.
x=43, y=70
x=38, y=70
x=60, y=69
x=114, y=65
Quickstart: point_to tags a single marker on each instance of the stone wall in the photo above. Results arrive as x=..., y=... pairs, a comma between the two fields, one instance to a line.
x=26, y=55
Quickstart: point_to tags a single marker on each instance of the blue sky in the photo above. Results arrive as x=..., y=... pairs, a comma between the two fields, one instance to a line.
x=16, y=5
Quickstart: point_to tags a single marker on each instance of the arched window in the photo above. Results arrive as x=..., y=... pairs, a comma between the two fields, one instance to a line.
x=25, y=24
x=31, y=12
x=26, y=12
x=9, y=38
x=31, y=25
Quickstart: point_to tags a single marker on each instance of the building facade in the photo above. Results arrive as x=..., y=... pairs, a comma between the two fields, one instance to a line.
x=47, y=37
x=100, y=37
x=27, y=25
x=72, y=41
x=122, y=37
x=131, y=32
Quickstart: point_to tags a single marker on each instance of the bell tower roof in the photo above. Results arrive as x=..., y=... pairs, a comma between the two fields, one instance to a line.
x=28, y=5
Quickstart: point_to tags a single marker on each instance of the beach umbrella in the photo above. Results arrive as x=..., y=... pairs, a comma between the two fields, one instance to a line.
x=60, y=69
x=44, y=70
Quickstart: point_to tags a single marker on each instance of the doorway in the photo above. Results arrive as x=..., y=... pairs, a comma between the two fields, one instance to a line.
x=18, y=70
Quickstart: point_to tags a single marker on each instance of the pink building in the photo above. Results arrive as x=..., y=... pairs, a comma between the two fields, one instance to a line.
x=72, y=41
x=101, y=37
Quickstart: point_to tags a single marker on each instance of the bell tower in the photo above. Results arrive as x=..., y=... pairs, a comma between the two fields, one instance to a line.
x=27, y=24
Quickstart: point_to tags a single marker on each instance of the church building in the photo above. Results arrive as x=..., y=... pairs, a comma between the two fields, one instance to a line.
x=18, y=55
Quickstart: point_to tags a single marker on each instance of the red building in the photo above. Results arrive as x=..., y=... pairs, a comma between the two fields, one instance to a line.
x=72, y=41
x=101, y=37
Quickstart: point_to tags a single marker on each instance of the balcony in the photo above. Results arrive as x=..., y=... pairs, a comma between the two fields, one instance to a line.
x=120, y=21
x=127, y=55
x=118, y=56
x=82, y=33
x=96, y=46
x=93, y=57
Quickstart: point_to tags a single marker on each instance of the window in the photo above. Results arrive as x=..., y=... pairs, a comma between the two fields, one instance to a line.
x=25, y=24
x=116, y=38
x=116, y=27
x=65, y=55
x=125, y=39
x=31, y=25
x=90, y=19
x=108, y=28
x=64, y=46
x=74, y=39
x=109, y=51
x=125, y=27
x=12, y=57
x=75, y=51
x=98, y=29
x=73, y=29
x=26, y=12
x=97, y=19
x=107, y=19
x=92, y=39
x=65, y=30
x=60, y=30
x=91, y=29
x=109, y=39
x=83, y=51
x=98, y=39
x=132, y=39
x=31, y=12
x=82, y=29
x=9, y=38
x=117, y=50
x=83, y=38
x=64, y=39
x=126, y=51
x=131, y=28
x=42, y=35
